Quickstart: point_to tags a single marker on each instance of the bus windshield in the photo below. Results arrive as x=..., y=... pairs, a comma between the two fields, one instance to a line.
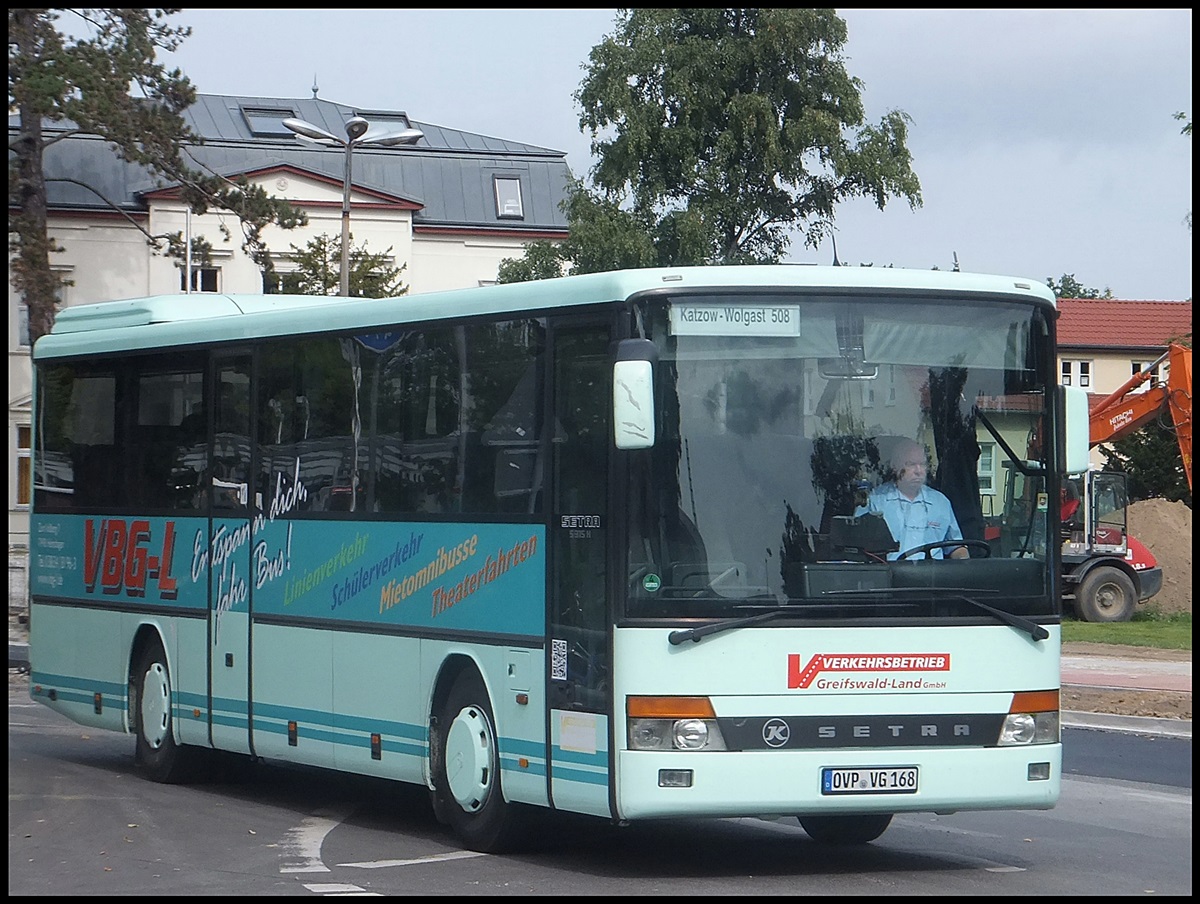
x=784, y=418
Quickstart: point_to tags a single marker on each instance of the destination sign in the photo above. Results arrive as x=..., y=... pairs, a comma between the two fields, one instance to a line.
x=735, y=320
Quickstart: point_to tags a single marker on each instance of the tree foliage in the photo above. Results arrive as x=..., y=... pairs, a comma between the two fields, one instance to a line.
x=1070, y=287
x=1151, y=459
x=84, y=84
x=1186, y=131
x=319, y=268
x=719, y=133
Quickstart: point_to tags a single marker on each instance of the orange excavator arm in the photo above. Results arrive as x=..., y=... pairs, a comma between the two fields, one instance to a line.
x=1125, y=412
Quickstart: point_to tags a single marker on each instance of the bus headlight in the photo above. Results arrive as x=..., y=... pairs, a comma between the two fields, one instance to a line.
x=1032, y=719
x=690, y=734
x=672, y=723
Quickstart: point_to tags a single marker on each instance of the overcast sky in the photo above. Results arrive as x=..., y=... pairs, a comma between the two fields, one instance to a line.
x=1044, y=139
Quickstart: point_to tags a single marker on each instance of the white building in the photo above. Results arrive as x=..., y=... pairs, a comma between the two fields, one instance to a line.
x=450, y=208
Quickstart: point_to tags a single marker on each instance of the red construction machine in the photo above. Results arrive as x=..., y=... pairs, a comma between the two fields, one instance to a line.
x=1107, y=572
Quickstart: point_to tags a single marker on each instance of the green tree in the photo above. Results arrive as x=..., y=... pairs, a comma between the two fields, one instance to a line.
x=84, y=84
x=1186, y=131
x=1070, y=287
x=319, y=267
x=718, y=134
x=1152, y=457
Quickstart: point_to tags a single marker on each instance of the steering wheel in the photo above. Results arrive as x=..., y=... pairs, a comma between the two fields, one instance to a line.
x=944, y=544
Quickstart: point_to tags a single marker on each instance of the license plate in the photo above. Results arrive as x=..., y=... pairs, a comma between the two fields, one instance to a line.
x=869, y=780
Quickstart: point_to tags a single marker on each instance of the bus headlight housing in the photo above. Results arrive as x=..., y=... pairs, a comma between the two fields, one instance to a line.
x=672, y=723
x=1033, y=718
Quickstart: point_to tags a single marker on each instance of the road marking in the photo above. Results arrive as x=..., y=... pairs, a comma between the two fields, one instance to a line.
x=340, y=890
x=436, y=858
x=302, y=846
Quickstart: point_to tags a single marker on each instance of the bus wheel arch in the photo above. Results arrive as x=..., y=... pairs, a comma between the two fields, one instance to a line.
x=449, y=671
x=151, y=718
x=146, y=637
x=1106, y=594
x=464, y=752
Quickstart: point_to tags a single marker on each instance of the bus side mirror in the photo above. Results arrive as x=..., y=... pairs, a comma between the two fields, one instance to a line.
x=1076, y=429
x=633, y=394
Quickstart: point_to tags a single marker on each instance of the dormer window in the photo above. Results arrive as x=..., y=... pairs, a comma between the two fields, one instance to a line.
x=267, y=122
x=508, y=197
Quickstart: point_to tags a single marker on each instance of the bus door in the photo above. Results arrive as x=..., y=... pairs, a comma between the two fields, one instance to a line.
x=580, y=690
x=229, y=550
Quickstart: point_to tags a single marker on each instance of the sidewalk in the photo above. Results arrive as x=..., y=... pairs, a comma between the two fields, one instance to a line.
x=1088, y=666
x=1089, y=669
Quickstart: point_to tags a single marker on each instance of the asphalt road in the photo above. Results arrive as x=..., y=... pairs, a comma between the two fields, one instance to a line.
x=83, y=822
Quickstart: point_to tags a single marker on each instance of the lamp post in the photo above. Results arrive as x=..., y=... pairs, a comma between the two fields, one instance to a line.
x=358, y=132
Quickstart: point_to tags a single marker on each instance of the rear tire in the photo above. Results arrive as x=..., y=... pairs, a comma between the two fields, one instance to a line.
x=151, y=710
x=466, y=771
x=845, y=829
x=1106, y=594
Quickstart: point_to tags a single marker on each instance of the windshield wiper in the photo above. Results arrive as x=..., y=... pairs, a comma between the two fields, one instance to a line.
x=1036, y=631
x=694, y=634
x=675, y=638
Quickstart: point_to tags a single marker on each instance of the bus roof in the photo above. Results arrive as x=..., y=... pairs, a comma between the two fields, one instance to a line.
x=166, y=321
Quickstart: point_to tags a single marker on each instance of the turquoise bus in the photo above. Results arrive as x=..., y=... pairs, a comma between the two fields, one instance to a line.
x=591, y=544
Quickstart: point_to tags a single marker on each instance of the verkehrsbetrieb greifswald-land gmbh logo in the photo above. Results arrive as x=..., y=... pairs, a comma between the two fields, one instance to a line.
x=841, y=671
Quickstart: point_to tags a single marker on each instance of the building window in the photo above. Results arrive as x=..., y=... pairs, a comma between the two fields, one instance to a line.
x=24, y=490
x=22, y=323
x=268, y=121
x=1157, y=376
x=508, y=197
x=204, y=279
x=1077, y=373
x=282, y=283
x=987, y=469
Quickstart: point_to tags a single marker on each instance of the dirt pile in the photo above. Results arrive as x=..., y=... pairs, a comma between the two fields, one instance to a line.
x=1166, y=529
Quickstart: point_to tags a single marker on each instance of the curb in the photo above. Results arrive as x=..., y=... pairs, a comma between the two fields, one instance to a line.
x=1146, y=725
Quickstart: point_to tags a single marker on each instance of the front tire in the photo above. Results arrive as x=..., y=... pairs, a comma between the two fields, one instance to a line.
x=157, y=754
x=467, y=788
x=1106, y=594
x=845, y=829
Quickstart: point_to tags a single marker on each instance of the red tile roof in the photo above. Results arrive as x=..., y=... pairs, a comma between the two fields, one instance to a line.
x=1107, y=323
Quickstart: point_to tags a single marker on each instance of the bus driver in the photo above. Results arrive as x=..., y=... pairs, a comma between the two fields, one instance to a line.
x=915, y=513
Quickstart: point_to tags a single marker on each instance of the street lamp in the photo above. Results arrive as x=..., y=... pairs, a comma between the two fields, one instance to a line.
x=358, y=132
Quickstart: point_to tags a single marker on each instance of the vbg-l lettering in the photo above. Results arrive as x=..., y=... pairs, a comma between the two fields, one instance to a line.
x=118, y=555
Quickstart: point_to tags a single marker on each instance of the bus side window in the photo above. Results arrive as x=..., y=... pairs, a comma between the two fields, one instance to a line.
x=166, y=389
x=510, y=469
x=231, y=448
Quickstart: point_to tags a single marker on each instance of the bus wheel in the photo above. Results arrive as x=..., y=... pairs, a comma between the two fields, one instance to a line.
x=158, y=756
x=1105, y=595
x=845, y=829
x=467, y=770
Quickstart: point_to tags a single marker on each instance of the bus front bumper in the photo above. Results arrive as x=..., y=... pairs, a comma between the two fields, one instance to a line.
x=774, y=783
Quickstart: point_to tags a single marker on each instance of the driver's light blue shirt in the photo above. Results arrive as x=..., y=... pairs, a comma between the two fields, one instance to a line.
x=914, y=522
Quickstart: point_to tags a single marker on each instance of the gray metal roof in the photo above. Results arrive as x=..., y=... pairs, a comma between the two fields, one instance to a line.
x=449, y=171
